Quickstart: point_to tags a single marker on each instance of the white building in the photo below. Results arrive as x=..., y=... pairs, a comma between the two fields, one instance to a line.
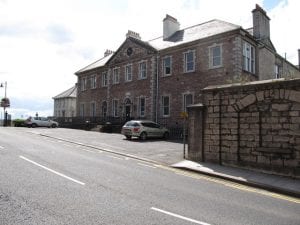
x=65, y=103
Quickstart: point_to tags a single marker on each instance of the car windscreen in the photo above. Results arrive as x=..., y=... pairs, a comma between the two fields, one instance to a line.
x=132, y=124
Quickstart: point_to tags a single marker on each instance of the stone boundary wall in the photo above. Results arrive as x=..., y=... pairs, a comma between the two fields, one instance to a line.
x=255, y=125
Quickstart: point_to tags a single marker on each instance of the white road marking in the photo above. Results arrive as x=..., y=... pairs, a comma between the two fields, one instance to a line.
x=114, y=157
x=52, y=171
x=111, y=146
x=70, y=146
x=179, y=216
x=1, y=147
x=146, y=165
x=86, y=150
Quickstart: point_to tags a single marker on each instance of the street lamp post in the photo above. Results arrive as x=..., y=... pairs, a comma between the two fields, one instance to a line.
x=4, y=103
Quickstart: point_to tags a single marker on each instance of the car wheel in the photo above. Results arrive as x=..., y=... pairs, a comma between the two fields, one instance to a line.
x=143, y=136
x=33, y=125
x=53, y=125
x=166, y=135
x=128, y=137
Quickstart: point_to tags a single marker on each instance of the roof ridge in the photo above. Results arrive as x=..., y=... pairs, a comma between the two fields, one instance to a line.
x=199, y=24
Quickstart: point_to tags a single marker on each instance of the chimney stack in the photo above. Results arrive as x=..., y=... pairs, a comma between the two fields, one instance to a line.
x=261, y=23
x=170, y=26
x=108, y=52
x=133, y=35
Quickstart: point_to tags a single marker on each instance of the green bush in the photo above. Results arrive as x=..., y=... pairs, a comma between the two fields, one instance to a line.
x=19, y=122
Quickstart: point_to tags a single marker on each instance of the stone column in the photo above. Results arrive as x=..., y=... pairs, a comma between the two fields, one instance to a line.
x=195, y=133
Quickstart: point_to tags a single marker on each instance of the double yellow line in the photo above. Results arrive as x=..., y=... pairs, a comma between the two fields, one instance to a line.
x=231, y=184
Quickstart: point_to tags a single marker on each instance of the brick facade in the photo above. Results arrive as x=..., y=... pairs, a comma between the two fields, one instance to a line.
x=221, y=52
x=254, y=125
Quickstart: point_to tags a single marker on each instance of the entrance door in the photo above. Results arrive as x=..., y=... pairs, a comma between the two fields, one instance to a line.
x=127, y=112
x=127, y=104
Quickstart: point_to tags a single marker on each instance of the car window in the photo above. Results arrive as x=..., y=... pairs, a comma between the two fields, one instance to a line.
x=148, y=124
x=156, y=125
x=132, y=124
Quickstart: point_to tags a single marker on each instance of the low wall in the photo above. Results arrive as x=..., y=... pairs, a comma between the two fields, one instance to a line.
x=255, y=125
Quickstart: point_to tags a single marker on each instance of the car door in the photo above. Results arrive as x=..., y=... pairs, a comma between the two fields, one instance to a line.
x=45, y=122
x=155, y=129
x=148, y=128
x=159, y=132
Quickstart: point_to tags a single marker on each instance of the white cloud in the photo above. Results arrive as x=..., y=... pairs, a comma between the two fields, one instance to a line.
x=43, y=43
x=285, y=32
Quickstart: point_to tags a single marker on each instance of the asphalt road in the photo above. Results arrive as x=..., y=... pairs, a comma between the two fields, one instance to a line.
x=48, y=181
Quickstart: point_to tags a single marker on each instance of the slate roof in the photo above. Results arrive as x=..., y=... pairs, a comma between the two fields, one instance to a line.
x=70, y=93
x=194, y=33
x=98, y=63
x=183, y=36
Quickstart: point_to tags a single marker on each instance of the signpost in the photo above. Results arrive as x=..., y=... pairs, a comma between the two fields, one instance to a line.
x=5, y=103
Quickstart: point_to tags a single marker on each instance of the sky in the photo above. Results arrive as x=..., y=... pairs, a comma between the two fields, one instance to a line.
x=44, y=42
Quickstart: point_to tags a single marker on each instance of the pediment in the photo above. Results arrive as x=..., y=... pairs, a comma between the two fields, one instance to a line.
x=130, y=50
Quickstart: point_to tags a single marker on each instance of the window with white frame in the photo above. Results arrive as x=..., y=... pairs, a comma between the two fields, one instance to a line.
x=143, y=70
x=93, y=109
x=81, y=110
x=187, y=100
x=104, y=79
x=115, y=104
x=248, y=57
x=167, y=66
x=93, y=82
x=189, y=61
x=165, y=103
x=83, y=84
x=142, y=106
x=116, y=75
x=128, y=73
x=215, y=56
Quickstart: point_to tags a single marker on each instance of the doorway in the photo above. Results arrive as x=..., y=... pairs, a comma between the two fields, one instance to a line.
x=127, y=104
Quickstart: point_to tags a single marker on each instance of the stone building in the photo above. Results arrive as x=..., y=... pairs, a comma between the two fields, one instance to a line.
x=65, y=103
x=157, y=79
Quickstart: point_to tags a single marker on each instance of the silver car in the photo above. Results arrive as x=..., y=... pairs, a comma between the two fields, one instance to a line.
x=144, y=129
x=40, y=122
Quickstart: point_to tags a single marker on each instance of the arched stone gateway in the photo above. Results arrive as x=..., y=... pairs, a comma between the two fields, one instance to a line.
x=254, y=125
x=268, y=127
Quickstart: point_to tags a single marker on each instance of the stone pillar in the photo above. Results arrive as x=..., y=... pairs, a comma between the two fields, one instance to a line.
x=195, y=133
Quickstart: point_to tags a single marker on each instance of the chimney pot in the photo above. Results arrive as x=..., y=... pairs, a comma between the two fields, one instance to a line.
x=133, y=34
x=108, y=52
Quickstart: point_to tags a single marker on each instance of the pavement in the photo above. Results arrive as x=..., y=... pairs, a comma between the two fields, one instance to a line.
x=170, y=154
